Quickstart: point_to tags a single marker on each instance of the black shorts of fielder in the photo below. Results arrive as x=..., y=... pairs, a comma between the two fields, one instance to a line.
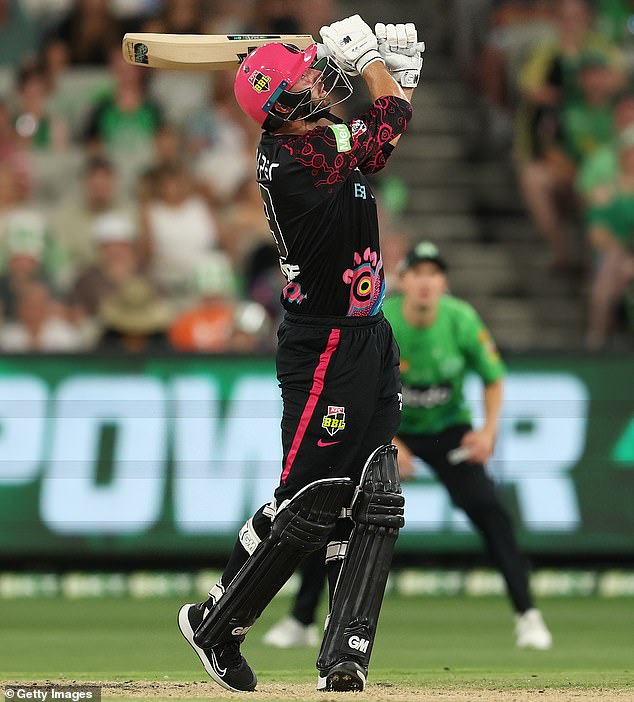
x=471, y=489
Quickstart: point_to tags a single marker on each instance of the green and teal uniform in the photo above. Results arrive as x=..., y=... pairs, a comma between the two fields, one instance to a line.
x=435, y=418
x=435, y=360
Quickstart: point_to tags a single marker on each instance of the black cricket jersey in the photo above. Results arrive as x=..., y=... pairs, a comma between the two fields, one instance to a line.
x=322, y=212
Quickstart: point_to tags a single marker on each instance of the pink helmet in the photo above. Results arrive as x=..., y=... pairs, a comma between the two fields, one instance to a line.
x=267, y=73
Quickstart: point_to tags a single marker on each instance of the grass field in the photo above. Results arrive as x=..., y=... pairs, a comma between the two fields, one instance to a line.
x=428, y=648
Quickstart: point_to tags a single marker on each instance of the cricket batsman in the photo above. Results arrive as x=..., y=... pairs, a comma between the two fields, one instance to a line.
x=337, y=361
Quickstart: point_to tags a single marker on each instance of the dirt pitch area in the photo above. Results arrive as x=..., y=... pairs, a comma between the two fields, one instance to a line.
x=377, y=692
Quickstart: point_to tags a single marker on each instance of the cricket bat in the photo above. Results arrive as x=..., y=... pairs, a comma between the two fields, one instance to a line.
x=199, y=52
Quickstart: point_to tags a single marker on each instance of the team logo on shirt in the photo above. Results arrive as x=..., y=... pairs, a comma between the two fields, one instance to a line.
x=334, y=420
x=260, y=82
x=366, y=284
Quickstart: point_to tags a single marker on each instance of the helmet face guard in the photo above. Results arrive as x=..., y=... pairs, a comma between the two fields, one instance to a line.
x=264, y=82
x=302, y=104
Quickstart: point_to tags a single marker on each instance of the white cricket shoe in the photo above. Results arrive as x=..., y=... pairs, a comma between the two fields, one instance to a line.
x=531, y=631
x=289, y=633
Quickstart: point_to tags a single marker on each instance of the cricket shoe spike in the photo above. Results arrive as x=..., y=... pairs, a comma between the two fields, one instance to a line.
x=222, y=662
x=346, y=676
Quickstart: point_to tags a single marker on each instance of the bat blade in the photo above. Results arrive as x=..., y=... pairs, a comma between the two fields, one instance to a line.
x=199, y=52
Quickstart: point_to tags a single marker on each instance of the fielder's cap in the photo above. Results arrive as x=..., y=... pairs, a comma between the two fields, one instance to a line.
x=113, y=227
x=423, y=251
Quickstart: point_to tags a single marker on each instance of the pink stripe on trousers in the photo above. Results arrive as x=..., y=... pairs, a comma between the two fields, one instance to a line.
x=313, y=398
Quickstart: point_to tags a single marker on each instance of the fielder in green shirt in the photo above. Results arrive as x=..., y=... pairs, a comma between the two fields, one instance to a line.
x=441, y=339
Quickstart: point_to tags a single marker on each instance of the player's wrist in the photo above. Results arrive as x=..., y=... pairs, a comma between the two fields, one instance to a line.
x=375, y=70
x=489, y=431
x=371, y=56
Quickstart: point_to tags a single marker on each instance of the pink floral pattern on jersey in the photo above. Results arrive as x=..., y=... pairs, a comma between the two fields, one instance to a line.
x=317, y=149
x=366, y=284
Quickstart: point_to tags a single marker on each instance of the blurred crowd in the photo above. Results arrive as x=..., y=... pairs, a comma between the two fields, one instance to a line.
x=129, y=214
x=557, y=79
x=130, y=218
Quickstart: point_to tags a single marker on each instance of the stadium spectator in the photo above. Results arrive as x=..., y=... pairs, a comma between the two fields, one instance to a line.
x=88, y=33
x=581, y=128
x=217, y=142
x=551, y=83
x=39, y=325
x=17, y=33
x=588, y=124
x=23, y=247
x=122, y=126
x=34, y=124
x=601, y=167
x=134, y=319
x=168, y=153
x=219, y=322
x=179, y=228
x=549, y=78
x=115, y=264
x=611, y=221
x=72, y=223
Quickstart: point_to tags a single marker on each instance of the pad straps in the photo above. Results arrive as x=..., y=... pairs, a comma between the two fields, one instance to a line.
x=300, y=526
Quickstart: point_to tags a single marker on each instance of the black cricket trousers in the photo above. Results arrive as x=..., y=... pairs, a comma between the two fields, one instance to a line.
x=341, y=393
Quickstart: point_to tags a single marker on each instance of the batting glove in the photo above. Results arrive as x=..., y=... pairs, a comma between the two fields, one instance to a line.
x=352, y=44
x=402, y=52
